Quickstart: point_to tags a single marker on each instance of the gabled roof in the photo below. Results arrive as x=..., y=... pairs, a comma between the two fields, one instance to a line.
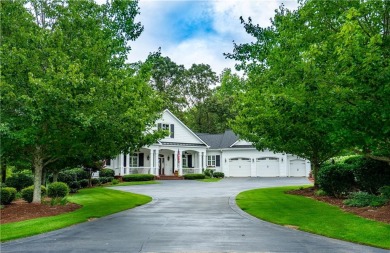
x=221, y=141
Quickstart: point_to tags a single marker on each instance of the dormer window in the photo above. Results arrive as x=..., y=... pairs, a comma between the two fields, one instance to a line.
x=168, y=127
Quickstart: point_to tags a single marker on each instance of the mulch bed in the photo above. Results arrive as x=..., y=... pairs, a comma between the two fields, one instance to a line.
x=20, y=210
x=381, y=214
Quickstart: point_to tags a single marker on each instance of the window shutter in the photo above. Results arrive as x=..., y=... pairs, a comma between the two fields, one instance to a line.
x=141, y=159
x=172, y=131
x=217, y=160
x=173, y=163
x=159, y=126
x=124, y=160
x=189, y=158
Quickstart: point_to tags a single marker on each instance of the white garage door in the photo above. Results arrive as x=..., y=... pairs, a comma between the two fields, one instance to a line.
x=240, y=167
x=267, y=167
x=297, y=168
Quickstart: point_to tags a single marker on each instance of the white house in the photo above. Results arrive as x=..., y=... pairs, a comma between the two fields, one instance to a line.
x=187, y=152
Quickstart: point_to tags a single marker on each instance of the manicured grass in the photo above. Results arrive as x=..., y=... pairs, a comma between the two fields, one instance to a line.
x=273, y=205
x=208, y=180
x=96, y=202
x=134, y=183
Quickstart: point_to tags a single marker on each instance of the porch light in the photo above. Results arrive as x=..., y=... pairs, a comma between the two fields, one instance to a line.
x=168, y=158
x=148, y=158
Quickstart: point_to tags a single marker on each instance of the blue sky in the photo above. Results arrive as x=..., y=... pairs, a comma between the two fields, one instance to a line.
x=197, y=31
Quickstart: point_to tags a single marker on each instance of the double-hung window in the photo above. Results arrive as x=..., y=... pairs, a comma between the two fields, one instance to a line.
x=213, y=160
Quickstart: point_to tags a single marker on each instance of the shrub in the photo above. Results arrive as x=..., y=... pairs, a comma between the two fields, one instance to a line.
x=320, y=192
x=371, y=174
x=8, y=195
x=361, y=199
x=194, y=176
x=19, y=181
x=336, y=179
x=95, y=181
x=138, y=177
x=83, y=183
x=208, y=173
x=218, y=175
x=106, y=173
x=103, y=180
x=58, y=201
x=385, y=191
x=115, y=181
x=28, y=193
x=71, y=175
x=58, y=189
x=109, y=179
x=74, y=186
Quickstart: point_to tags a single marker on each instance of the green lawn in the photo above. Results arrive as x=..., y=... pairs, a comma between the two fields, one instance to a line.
x=273, y=205
x=208, y=180
x=134, y=183
x=93, y=200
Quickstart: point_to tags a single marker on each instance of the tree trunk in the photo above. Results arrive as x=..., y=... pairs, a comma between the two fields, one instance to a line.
x=55, y=176
x=38, y=166
x=314, y=169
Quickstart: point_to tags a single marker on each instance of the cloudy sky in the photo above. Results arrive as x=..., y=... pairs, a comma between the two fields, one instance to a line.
x=193, y=31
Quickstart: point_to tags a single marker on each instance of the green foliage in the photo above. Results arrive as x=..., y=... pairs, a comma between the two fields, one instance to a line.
x=8, y=195
x=19, y=181
x=58, y=189
x=28, y=192
x=95, y=181
x=208, y=173
x=385, y=191
x=74, y=186
x=320, y=192
x=336, y=179
x=194, y=176
x=115, y=181
x=106, y=173
x=218, y=174
x=138, y=177
x=361, y=199
x=83, y=183
x=59, y=201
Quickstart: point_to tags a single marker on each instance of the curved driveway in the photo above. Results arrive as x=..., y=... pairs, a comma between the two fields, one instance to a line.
x=186, y=216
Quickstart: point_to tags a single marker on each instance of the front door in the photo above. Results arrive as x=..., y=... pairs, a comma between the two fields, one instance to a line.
x=161, y=166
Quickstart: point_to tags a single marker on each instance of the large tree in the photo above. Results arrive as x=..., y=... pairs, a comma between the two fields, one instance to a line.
x=313, y=78
x=66, y=89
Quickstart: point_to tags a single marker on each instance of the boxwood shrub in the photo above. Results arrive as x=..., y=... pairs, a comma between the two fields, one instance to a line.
x=7, y=195
x=336, y=179
x=106, y=173
x=95, y=181
x=58, y=189
x=138, y=177
x=28, y=193
x=74, y=186
x=194, y=176
x=218, y=175
x=19, y=181
x=83, y=183
x=361, y=199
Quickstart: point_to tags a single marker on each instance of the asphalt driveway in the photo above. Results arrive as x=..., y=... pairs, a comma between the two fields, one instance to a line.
x=186, y=216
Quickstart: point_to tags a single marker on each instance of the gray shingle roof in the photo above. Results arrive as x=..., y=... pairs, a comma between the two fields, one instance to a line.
x=219, y=141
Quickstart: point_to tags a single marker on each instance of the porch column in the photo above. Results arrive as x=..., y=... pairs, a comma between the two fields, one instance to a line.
x=151, y=171
x=204, y=160
x=121, y=164
x=157, y=165
x=180, y=167
x=176, y=165
x=128, y=163
x=200, y=161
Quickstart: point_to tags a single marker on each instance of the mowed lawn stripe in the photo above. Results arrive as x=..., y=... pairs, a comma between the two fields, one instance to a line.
x=274, y=205
x=96, y=203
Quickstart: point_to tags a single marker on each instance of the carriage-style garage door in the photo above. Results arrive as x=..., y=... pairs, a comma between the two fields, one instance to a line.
x=240, y=167
x=297, y=168
x=267, y=167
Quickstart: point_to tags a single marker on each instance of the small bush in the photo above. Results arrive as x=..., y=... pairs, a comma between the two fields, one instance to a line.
x=320, y=192
x=109, y=179
x=83, y=183
x=106, y=173
x=115, y=181
x=74, y=186
x=138, y=177
x=361, y=199
x=58, y=189
x=58, y=201
x=103, y=180
x=8, y=195
x=218, y=175
x=71, y=175
x=194, y=176
x=19, y=181
x=208, y=173
x=28, y=193
x=385, y=191
x=336, y=179
x=95, y=181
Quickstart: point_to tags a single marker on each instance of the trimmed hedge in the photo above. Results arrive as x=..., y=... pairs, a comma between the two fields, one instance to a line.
x=218, y=175
x=106, y=173
x=74, y=186
x=336, y=179
x=138, y=177
x=8, y=195
x=95, y=181
x=28, y=193
x=83, y=183
x=194, y=176
x=19, y=181
x=76, y=174
x=58, y=189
